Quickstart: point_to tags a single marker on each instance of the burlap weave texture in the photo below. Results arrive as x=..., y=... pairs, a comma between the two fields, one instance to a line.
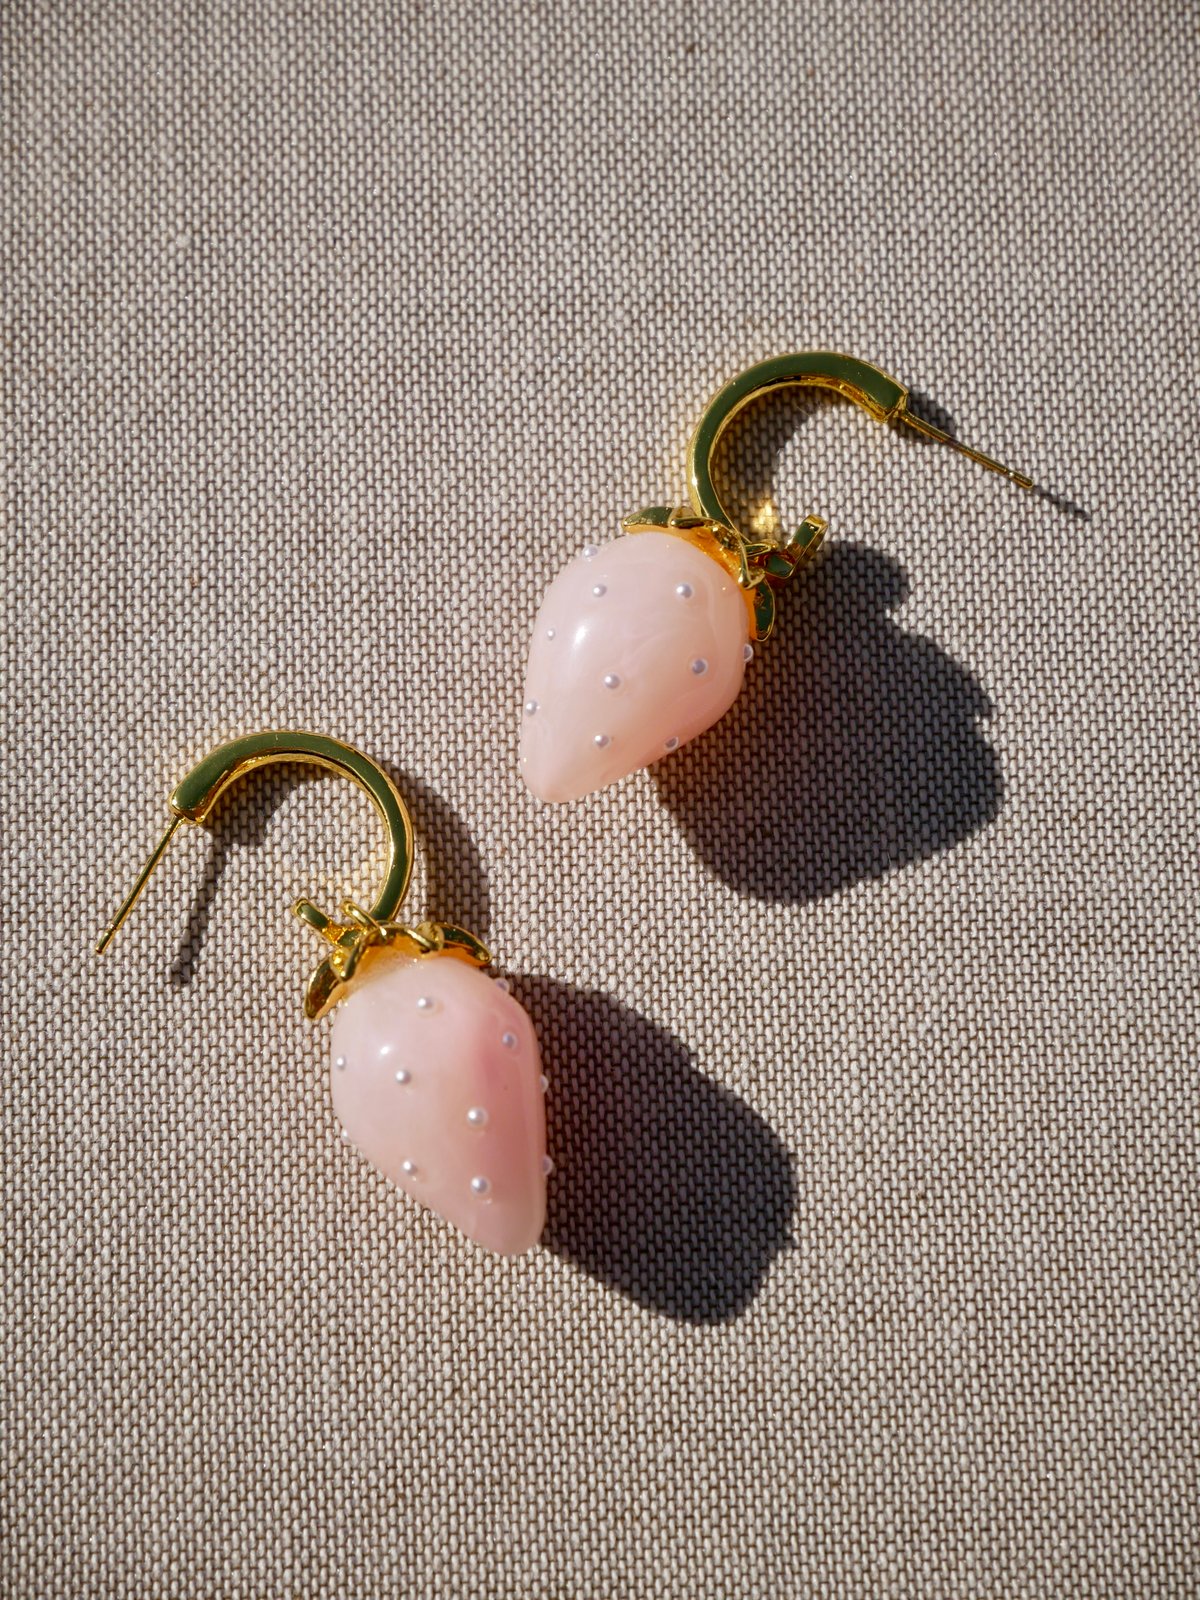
x=331, y=330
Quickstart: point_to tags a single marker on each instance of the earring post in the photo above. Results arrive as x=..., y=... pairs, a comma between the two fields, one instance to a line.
x=919, y=425
x=127, y=905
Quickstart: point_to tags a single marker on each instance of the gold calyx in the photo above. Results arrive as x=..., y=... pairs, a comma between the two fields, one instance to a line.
x=755, y=565
x=361, y=933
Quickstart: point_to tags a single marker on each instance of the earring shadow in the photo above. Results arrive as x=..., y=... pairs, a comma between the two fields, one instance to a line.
x=242, y=821
x=854, y=748
x=667, y=1186
x=456, y=883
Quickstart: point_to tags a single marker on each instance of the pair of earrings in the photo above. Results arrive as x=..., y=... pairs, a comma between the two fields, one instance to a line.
x=639, y=646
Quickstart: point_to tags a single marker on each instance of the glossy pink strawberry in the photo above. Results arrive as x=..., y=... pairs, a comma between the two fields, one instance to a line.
x=437, y=1081
x=639, y=646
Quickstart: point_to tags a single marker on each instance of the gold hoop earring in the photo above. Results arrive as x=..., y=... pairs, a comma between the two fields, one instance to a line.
x=642, y=644
x=436, y=1074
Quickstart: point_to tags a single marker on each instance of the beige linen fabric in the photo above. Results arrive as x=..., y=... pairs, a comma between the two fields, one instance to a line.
x=331, y=331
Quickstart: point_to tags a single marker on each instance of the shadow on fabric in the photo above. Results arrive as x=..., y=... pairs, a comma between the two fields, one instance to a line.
x=667, y=1186
x=854, y=747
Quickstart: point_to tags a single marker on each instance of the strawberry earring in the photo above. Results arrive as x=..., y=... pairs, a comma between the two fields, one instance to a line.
x=436, y=1073
x=642, y=644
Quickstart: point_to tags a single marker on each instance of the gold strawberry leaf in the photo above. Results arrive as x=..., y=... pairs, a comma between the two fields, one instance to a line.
x=764, y=611
x=756, y=564
x=458, y=942
x=360, y=932
x=646, y=520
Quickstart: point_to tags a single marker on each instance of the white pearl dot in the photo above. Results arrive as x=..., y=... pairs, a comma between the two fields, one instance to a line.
x=404, y=1075
x=699, y=666
x=345, y=1137
x=509, y=1040
x=504, y=986
x=590, y=550
x=747, y=652
x=545, y=1082
x=409, y=1168
x=611, y=681
x=550, y=633
x=671, y=744
x=601, y=740
x=684, y=591
x=477, y=1117
x=531, y=707
x=599, y=590
x=481, y=1186
x=547, y=1166
x=425, y=1003
x=340, y=1063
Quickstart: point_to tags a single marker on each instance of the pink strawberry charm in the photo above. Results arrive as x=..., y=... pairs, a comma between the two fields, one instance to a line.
x=437, y=1081
x=639, y=646
x=642, y=644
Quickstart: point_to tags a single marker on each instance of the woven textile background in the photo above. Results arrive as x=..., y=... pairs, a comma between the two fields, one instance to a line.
x=331, y=331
